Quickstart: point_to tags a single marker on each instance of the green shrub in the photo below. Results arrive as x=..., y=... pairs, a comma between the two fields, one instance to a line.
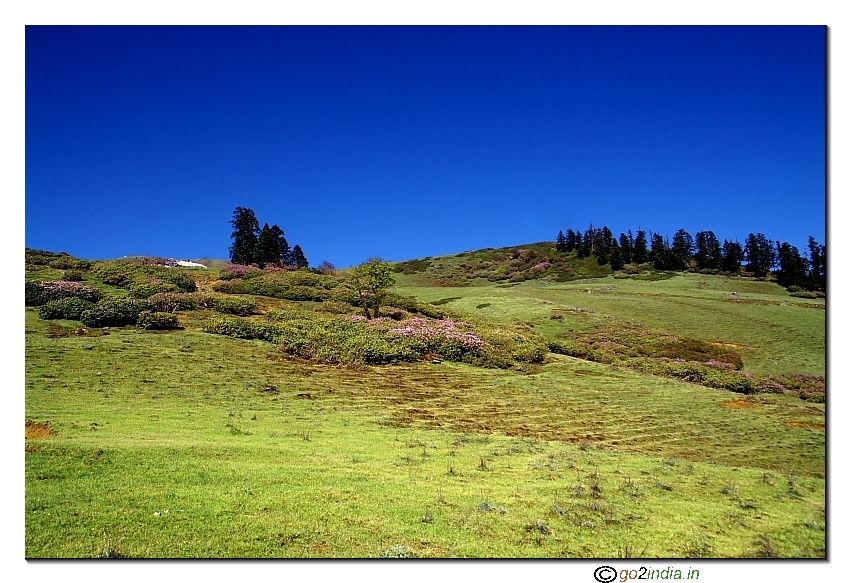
x=811, y=295
x=68, y=262
x=174, y=302
x=125, y=274
x=114, y=312
x=262, y=287
x=64, y=309
x=240, y=328
x=579, y=351
x=73, y=275
x=41, y=292
x=236, y=306
x=145, y=289
x=157, y=321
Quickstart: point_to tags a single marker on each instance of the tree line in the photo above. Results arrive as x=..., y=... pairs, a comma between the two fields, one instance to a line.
x=758, y=255
x=266, y=246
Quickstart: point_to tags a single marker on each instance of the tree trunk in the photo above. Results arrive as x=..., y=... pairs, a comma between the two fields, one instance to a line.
x=365, y=305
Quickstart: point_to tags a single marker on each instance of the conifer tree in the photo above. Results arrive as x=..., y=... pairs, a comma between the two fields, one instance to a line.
x=680, y=250
x=640, y=253
x=733, y=255
x=283, y=251
x=570, y=240
x=268, y=251
x=817, y=265
x=616, y=257
x=298, y=257
x=659, y=252
x=793, y=269
x=626, y=247
x=561, y=242
x=246, y=230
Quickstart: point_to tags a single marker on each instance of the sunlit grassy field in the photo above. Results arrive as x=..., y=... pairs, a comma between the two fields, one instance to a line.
x=189, y=444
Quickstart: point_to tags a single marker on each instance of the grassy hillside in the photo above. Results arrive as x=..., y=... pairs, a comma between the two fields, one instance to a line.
x=186, y=443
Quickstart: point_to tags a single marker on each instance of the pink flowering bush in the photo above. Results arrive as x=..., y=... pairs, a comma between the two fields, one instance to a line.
x=39, y=293
x=542, y=266
x=448, y=338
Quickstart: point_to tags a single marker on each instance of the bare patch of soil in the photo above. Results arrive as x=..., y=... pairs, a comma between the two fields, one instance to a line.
x=740, y=404
x=804, y=425
x=36, y=430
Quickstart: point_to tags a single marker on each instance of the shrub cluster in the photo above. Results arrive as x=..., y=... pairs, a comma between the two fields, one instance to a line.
x=145, y=289
x=64, y=309
x=447, y=338
x=811, y=295
x=114, y=312
x=262, y=286
x=128, y=274
x=73, y=275
x=41, y=292
x=357, y=341
x=157, y=321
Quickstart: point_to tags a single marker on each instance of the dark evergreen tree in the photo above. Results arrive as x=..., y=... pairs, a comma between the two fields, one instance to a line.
x=793, y=269
x=570, y=240
x=640, y=253
x=283, y=251
x=616, y=257
x=760, y=254
x=268, y=251
x=708, y=254
x=298, y=257
x=561, y=242
x=733, y=255
x=626, y=247
x=589, y=241
x=817, y=265
x=582, y=245
x=246, y=230
x=680, y=250
x=659, y=252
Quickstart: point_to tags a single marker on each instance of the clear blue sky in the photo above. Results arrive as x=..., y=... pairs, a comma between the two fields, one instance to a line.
x=404, y=142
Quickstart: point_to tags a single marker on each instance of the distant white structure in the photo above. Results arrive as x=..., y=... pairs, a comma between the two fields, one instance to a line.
x=182, y=263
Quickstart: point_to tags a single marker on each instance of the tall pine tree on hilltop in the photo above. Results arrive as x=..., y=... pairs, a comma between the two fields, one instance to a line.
x=246, y=231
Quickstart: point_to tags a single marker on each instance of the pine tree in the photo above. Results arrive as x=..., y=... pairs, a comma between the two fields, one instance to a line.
x=817, y=265
x=639, y=249
x=570, y=240
x=561, y=242
x=760, y=254
x=680, y=250
x=626, y=247
x=246, y=230
x=284, y=253
x=708, y=254
x=298, y=257
x=659, y=253
x=616, y=257
x=793, y=269
x=268, y=251
x=733, y=255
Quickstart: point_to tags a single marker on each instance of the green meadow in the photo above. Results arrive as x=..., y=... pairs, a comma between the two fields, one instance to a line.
x=189, y=443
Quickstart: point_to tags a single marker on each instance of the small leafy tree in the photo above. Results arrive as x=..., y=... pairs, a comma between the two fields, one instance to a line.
x=372, y=279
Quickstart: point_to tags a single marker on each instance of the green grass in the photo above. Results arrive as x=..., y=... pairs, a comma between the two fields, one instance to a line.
x=189, y=444
x=149, y=422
